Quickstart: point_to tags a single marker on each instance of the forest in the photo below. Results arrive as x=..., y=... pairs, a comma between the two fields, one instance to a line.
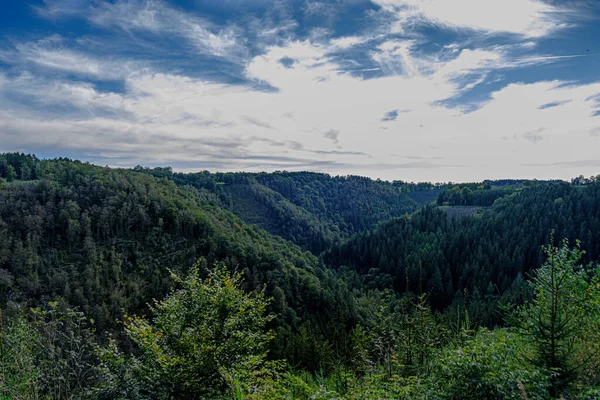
x=145, y=283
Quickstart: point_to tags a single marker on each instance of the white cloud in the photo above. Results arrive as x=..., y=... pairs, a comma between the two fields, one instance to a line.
x=53, y=53
x=346, y=42
x=320, y=115
x=152, y=17
x=529, y=18
x=171, y=118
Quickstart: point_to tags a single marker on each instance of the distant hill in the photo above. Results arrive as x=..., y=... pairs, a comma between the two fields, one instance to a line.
x=487, y=255
x=485, y=193
x=313, y=210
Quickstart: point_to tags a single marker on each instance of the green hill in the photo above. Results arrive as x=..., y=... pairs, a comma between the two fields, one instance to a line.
x=487, y=256
x=311, y=209
x=106, y=240
x=126, y=284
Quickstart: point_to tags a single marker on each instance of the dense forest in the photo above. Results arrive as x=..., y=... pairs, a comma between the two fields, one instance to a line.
x=313, y=210
x=486, y=256
x=149, y=284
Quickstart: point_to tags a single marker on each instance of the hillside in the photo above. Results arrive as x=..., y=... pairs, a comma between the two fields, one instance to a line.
x=487, y=256
x=106, y=240
x=313, y=210
x=145, y=284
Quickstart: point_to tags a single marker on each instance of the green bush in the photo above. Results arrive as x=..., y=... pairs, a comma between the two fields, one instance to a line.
x=18, y=372
x=490, y=365
x=205, y=340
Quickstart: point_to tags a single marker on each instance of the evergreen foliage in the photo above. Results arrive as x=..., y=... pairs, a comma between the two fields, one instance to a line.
x=145, y=284
x=562, y=322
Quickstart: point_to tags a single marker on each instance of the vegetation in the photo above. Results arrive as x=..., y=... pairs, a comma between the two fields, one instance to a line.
x=476, y=261
x=143, y=284
x=313, y=210
x=562, y=323
x=206, y=338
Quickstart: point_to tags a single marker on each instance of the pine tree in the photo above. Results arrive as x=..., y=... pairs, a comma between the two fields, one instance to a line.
x=562, y=322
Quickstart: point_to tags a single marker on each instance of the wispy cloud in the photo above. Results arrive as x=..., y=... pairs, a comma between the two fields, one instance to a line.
x=55, y=53
x=56, y=9
x=154, y=83
x=534, y=136
x=571, y=164
x=528, y=18
x=325, y=10
x=154, y=17
x=256, y=122
x=538, y=58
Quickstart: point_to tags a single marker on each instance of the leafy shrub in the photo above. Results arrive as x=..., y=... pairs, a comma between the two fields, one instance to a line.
x=491, y=365
x=206, y=339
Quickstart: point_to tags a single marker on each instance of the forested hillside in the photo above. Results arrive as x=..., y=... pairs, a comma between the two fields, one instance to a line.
x=313, y=210
x=483, y=257
x=106, y=240
x=149, y=284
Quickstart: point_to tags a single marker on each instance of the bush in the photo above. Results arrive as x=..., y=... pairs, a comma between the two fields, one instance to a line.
x=491, y=365
x=206, y=339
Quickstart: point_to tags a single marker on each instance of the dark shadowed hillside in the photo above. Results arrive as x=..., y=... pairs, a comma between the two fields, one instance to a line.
x=485, y=256
x=313, y=210
x=144, y=284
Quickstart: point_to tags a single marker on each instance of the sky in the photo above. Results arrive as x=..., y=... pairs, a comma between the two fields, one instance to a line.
x=414, y=90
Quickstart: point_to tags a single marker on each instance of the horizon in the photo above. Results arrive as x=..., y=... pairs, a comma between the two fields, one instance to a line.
x=441, y=183
x=412, y=90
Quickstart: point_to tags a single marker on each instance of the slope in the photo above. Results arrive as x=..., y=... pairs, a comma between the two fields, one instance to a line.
x=476, y=260
x=313, y=210
x=106, y=240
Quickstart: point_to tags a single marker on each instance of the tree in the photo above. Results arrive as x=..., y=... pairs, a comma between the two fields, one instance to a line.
x=18, y=372
x=205, y=339
x=46, y=353
x=65, y=350
x=562, y=323
x=11, y=174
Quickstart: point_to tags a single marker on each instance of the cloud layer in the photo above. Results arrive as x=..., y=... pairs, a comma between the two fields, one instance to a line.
x=154, y=84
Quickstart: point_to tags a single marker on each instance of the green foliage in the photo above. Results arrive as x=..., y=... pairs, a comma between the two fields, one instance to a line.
x=47, y=353
x=311, y=209
x=396, y=318
x=11, y=174
x=205, y=339
x=120, y=378
x=483, y=196
x=562, y=323
x=102, y=239
x=490, y=365
x=476, y=262
x=65, y=353
x=404, y=337
x=18, y=371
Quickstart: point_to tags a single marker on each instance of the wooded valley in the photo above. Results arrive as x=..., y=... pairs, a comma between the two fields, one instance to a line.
x=145, y=283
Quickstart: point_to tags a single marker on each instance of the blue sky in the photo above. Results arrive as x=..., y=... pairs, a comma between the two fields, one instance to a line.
x=436, y=90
